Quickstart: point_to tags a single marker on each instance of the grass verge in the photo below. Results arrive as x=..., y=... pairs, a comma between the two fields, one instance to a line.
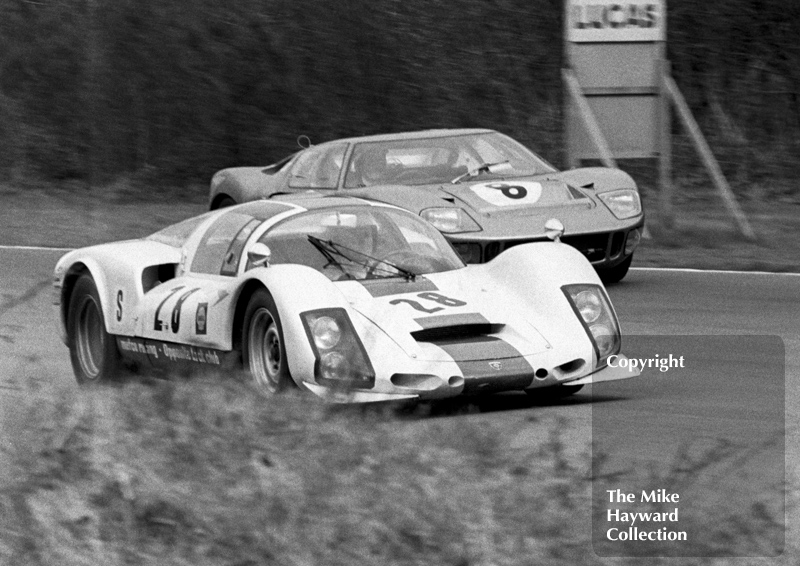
x=208, y=472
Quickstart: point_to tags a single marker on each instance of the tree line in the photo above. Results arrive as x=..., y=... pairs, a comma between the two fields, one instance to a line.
x=100, y=89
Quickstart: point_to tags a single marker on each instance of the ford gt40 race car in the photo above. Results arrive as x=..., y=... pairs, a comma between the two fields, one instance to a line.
x=349, y=299
x=483, y=190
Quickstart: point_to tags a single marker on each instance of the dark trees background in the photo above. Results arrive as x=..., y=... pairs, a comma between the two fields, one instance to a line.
x=98, y=90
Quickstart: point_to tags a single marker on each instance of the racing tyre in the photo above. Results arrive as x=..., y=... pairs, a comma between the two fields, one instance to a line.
x=92, y=350
x=617, y=273
x=225, y=202
x=263, y=348
x=553, y=393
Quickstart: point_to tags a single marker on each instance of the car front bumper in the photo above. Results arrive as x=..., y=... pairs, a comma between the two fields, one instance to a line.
x=433, y=387
x=601, y=249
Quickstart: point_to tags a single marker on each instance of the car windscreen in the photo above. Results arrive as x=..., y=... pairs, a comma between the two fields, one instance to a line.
x=436, y=160
x=362, y=242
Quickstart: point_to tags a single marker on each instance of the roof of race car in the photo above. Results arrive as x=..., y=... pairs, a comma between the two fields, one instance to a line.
x=262, y=210
x=420, y=134
x=267, y=208
x=311, y=201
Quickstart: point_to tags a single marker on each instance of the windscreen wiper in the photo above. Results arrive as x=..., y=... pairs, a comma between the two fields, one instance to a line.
x=331, y=250
x=475, y=171
x=329, y=253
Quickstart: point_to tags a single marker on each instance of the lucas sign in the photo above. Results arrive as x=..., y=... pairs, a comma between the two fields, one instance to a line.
x=607, y=20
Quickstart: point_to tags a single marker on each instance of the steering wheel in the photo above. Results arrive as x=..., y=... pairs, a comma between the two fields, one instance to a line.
x=407, y=259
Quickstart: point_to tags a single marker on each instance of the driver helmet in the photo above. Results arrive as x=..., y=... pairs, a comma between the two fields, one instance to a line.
x=370, y=166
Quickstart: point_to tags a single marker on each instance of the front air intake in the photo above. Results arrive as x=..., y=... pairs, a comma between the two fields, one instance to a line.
x=456, y=332
x=571, y=367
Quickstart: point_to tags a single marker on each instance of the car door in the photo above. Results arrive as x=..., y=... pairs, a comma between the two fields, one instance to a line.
x=196, y=307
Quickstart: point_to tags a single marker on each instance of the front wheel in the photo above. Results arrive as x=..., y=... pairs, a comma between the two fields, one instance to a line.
x=263, y=348
x=93, y=351
x=617, y=273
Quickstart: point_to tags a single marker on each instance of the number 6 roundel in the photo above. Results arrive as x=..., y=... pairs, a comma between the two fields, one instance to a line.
x=509, y=193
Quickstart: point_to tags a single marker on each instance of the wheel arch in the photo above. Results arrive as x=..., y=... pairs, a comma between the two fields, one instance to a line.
x=217, y=200
x=241, y=184
x=249, y=288
x=295, y=289
x=73, y=273
x=544, y=262
x=534, y=274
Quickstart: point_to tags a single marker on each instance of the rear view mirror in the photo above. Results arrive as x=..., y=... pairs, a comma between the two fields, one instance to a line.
x=500, y=167
x=554, y=229
x=259, y=255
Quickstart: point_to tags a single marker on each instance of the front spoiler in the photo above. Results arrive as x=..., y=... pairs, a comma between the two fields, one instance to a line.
x=344, y=396
x=607, y=373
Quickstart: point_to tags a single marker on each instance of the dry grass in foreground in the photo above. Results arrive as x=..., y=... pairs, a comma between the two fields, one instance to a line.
x=207, y=472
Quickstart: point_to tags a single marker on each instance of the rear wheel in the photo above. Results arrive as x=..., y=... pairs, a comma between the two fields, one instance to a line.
x=263, y=348
x=93, y=351
x=617, y=273
x=224, y=202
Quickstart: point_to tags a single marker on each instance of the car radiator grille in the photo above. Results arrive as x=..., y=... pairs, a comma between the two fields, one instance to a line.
x=593, y=246
x=596, y=247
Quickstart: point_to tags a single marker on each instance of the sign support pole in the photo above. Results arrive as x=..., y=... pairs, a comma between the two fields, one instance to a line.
x=665, y=187
x=708, y=158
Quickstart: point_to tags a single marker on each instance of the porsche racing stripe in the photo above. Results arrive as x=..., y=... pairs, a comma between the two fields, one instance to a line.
x=488, y=363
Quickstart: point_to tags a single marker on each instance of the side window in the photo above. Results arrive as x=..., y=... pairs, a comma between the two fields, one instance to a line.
x=230, y=264
x=318, y=168
x=212, y=255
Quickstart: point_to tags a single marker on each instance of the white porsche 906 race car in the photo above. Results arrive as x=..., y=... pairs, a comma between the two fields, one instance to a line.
x=349, y=299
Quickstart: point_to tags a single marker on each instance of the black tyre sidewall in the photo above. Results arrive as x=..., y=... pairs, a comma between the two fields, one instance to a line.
x=617, y=273
x=263, y=299
x=225, y=203
x=85, y=290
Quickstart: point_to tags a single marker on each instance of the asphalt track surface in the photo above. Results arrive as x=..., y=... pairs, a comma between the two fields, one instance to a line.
x=738, y=333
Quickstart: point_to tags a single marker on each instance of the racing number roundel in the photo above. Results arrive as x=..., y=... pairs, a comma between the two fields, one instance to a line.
x=509, y=193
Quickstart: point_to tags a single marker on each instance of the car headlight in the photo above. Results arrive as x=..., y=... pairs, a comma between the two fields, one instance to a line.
x=341, y=359
x=326, y=332
x=593, y=309
x=588, y=305
x=624, y=203
x=334, y=366
x=632, y=242
x=450, y=220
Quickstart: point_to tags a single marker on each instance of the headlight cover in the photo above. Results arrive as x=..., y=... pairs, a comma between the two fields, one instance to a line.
x=450, y=220
x=326, y=332
x=341, y=360
x=624, y=203
x=593, y=309
x=588, y=305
